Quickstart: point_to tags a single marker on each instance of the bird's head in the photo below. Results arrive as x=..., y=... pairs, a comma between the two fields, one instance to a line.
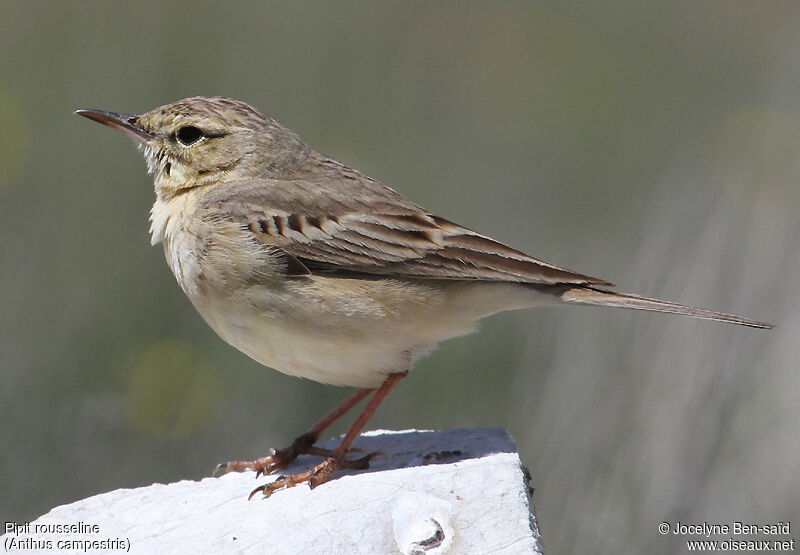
x=206, y=141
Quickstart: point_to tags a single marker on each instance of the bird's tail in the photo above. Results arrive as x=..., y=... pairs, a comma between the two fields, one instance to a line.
x=603, y=297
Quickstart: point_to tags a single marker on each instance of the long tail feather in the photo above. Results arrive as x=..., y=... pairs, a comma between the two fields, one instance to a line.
x=603, y=297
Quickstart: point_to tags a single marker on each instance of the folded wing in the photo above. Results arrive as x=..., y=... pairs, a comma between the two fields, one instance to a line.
x=378, y=232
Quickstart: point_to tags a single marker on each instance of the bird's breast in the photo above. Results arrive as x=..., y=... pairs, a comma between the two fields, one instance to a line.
x=177, y=224
x=207, y=252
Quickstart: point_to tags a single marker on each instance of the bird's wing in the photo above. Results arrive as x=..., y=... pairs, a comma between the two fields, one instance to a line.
x=367, y=228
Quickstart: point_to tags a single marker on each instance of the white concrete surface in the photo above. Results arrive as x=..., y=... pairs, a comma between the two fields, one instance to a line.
x=453, y=491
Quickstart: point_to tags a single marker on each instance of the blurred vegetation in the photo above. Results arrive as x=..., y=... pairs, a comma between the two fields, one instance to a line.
x=653, y=144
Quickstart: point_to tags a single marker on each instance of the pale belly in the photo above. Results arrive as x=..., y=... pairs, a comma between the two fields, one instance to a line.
x=357, y=335
x=344, y=357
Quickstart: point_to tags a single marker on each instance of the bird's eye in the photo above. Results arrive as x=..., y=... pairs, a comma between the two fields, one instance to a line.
x=188, y=135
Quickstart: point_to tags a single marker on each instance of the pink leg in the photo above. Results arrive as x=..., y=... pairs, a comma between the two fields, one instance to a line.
x=336, y=460
x=304, y=444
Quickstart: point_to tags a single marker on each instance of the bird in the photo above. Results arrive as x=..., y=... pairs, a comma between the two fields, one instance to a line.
x=318, y=271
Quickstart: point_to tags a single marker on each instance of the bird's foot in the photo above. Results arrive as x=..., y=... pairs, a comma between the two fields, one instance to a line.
x=317, y=475
x=277, y=459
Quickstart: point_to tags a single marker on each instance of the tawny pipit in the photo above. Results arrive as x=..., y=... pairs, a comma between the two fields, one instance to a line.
x=314, y=269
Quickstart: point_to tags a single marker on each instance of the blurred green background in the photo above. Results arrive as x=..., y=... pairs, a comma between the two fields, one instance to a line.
x=653, y=144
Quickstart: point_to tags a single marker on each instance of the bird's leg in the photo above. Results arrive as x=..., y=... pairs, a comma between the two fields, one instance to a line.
x=336, y=460
x=302, y=445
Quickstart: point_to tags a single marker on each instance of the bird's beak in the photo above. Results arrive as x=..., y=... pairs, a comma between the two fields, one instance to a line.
x=127, y=123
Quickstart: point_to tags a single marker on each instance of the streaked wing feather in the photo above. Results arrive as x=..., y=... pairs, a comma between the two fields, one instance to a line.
x=362, y=226
x=425, y=246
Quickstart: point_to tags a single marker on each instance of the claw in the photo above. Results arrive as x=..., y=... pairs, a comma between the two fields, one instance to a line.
x=276, y=459
x=317, y=475
x=255, y=491
x=220, y=466
x=363, y=462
